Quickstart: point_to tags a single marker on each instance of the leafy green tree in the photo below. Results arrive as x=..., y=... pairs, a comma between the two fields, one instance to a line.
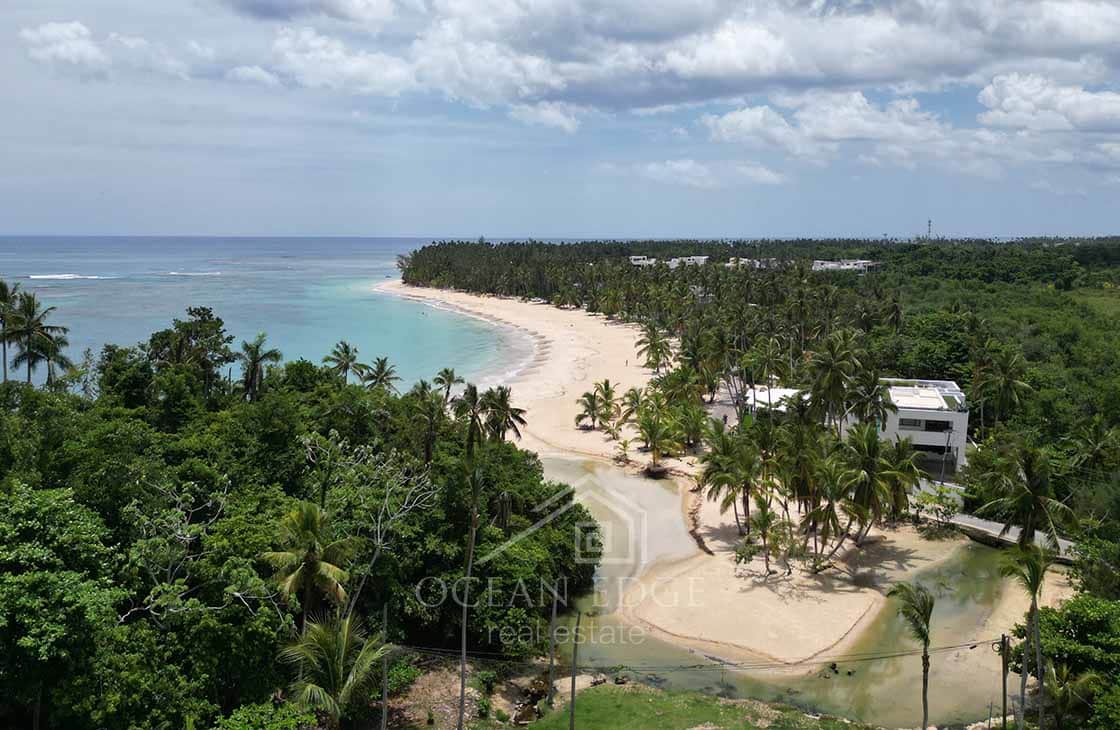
x=381, y=375
x=37, y=340
x=447, y=379
x=1021, y=478
x=9, y=296
x=501, y=415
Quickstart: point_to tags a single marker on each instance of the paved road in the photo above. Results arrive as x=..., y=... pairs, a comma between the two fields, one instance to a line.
x=979, y=527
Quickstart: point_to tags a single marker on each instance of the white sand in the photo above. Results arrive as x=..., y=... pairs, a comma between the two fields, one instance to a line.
x=705, y=602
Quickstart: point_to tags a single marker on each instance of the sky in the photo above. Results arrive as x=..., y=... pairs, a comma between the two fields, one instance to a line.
x=560, y=118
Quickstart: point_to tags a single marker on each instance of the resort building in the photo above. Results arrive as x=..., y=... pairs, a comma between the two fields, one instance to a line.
x=858, y=265
x=933, y=414
x=642, y=261
x=688, y=261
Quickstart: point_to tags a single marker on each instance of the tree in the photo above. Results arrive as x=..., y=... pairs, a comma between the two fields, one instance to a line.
x=9, y=297
x=831, y=369
x=659, y=435
x=29, y=329
x=915, y=606
x=1027, y=566
x=1068, y=691
x=381, y=375
x=476, y=494
x=337, y=663
x=1021, y=479
x=869, y=473
x=430, y=412
x=764, y=521
x=470, y=410
x=654, y=348
x=591, y=409
x=254, y=356
x=902, y=474
x=311, y=560
x=730, y=467
x=343, y=359
x=501, y=415
x=447, y=379
x=1006, y=382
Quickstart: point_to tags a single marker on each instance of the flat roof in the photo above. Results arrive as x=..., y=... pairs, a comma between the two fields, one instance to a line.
x=929, y=395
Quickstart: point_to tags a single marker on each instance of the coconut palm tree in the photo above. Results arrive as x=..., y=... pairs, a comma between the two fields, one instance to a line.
x=1068, y=691
x=9, y=297
x=1096, y=446
x=870, y=475
x=1005, y=381
x=833, y=479
x=658, y=433
x=430, y=412
x=915, y=606
x=476, y=494
x=730, y=469
x=869, y=398
x=470, y=409
x=501, y=415
x=770, y=361
x=764, y=520
x=902, y=474
x=1027, y=566
x=609, y=398
x=1021, y=476
x=831, y=369
x=381, y=375
x=591, y=409
x=654, y=348
x=28, y=328
x=336, y=662
x=54, y=355
x=632, y=401
x=310, y=561
x=447, y=379
x=254, y=356
x=343, y=359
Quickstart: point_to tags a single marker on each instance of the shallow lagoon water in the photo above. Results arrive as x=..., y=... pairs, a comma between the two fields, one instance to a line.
x=883, y=691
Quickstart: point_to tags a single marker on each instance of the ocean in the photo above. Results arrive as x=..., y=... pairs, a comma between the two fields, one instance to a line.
x=306, y=294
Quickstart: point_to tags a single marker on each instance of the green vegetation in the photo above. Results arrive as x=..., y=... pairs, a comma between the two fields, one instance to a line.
x=177, y=548
x=638, y=708
x=1028, y=328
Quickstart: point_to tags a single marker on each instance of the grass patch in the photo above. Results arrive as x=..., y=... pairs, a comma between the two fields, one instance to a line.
x=635, y=707
x=1104, y=301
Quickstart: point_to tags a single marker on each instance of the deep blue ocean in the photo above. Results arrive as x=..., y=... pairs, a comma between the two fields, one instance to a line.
x=305, y=293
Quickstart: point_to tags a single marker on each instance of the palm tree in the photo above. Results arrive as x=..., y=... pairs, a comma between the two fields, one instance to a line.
x=902, y=474
x=869, y=473
x=430, y=411
x=728, y=472
x=632, y=401
x=831, y=369
x=336, y=662
x=447, y=379
x=9, y=297
x=833, y=480
x=654, y=348
x=768, y=358
x=1068, y=691
x=381, y=376
x=1021, y=478
x=1027, y=566
x=501, y=415
x=476, y=494
x=659, y=434
x=591, y=409
x=343, y=359
x=1006, y=381
x=870, y=398
x=253, y=358
x=53, y=354
x=29, y=329
x=310, y=561
x=1095, y=445
x=470, y=409
x=764, y=521
x=609, y=399
x=915, y=606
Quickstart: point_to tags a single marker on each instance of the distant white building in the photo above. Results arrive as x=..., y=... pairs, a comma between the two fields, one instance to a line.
x=642, y=261
x=859, y=265
x=933, y=414
x=687, y=261
x=736, y=262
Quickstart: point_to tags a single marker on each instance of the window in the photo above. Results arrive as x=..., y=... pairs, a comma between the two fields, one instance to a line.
x=939, y=426
x=910, y=424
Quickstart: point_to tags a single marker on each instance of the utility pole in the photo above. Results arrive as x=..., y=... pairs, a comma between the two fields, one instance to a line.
x=385, y=668
x=552, y=647
x=575, y=668
x=929, y=229
x=1003, y=651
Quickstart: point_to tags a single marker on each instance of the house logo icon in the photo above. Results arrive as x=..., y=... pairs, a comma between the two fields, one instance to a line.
x=618, y=535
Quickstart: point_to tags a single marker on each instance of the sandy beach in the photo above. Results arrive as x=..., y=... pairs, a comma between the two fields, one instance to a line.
x=706, y=602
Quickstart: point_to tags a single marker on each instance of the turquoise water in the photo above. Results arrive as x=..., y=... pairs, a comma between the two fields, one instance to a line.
x=305, y=293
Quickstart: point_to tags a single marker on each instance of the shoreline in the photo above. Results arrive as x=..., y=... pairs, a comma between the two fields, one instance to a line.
x=745, y=616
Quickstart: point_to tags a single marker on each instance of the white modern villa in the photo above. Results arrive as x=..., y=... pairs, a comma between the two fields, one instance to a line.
x=933, y=414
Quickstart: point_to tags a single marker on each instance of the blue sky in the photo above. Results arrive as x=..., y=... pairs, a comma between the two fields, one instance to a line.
x=556, y=118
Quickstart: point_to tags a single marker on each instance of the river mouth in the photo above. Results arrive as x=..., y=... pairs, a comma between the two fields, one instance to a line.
x=876, y=679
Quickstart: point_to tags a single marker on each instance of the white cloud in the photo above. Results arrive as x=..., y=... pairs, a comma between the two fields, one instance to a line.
x=704, y=175
x=319, y=61
x=549, y=114
x=141, y=54
x=1029, y=101
x=67, y=44
x=373, y=12
x=253, y=75
x=762, y=126
x=201, y=50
